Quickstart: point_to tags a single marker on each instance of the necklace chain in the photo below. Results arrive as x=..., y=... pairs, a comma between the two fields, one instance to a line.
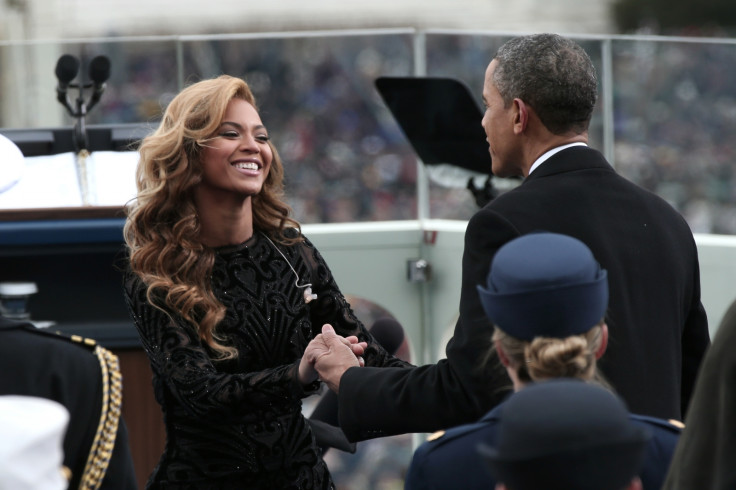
x=308, y=296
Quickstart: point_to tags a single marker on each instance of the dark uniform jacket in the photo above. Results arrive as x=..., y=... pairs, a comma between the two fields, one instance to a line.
x=657, y=324
x=451, y=457
x=36, y=362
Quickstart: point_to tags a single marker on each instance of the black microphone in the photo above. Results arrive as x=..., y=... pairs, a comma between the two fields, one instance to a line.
x=99, y=69
x=389, y=333
x=99, y=72
x=66, y=69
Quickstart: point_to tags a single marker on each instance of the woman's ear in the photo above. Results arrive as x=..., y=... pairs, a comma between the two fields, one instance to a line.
x=501, y=354
x=635, y=484
x=604, y=341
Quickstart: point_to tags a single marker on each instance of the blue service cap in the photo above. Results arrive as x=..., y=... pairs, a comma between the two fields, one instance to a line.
x=565, y=434
x=545, y=285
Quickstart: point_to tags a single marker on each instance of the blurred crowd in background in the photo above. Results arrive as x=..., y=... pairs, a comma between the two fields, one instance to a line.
x=347, y=160
x=675, y=115
x=672, y=111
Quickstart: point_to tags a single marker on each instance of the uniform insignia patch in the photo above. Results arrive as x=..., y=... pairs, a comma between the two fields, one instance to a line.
x=436, y=435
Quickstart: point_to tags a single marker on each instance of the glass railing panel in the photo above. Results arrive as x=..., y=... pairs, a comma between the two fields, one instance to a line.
x=667, y=128
x=143, y=73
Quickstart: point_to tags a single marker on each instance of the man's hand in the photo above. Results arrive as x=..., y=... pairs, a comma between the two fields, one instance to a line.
x=330, y=355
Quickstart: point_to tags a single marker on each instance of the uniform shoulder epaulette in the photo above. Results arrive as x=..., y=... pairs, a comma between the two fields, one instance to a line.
x=78, y=339
x=435, y=435
x=671, y=425
x=90, y=344
x=445, y=436
x=103, y=444
x=107, y=429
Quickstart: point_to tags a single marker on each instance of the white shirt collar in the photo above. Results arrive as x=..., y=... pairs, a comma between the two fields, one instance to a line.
x=551, y=152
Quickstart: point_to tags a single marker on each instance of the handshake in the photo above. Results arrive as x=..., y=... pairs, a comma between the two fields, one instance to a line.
x=328, y=356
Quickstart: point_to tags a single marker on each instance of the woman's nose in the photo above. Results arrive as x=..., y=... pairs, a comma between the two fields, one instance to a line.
x=248, y=143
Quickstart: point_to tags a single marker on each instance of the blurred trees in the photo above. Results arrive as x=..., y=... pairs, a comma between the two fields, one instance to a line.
x=674, y=17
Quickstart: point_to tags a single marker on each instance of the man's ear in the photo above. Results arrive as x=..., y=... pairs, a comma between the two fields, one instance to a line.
x=521, y=116
x=604, y=341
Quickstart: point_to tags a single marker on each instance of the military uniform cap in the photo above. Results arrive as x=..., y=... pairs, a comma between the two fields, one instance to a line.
x=544, y=285
x=566, y=434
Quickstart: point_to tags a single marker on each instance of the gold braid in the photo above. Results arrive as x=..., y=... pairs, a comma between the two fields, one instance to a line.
x=104, y=441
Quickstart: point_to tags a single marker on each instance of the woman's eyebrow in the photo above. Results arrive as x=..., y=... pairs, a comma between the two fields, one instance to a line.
x=240, y=126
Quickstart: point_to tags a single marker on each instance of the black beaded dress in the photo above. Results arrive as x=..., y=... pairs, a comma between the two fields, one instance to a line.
x=239, y=424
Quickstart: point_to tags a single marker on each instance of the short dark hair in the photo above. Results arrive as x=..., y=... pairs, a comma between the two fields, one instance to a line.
x=554, y=75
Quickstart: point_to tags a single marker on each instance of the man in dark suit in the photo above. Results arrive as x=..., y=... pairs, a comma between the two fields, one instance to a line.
x=539, y=94
x=84, y=378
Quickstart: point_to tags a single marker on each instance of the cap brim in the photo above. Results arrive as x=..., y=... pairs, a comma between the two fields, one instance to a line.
x=604, y=467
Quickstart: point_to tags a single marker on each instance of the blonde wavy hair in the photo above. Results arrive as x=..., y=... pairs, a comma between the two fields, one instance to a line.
x=548, y=357
x=162, y=230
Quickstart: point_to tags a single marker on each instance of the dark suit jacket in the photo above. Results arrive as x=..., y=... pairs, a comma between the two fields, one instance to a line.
x=658, y=328
x=451, y=457
x=36, y=362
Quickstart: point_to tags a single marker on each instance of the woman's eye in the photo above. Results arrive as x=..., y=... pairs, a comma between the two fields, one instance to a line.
x=262, y=138
x=229, y=134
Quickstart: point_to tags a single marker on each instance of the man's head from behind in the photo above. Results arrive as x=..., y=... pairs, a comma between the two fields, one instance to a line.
x=566, y=434
x=553, y=75
x=539, y=93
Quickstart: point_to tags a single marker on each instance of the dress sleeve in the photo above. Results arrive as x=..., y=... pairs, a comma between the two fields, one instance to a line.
x=332, y=307
x=185, y=368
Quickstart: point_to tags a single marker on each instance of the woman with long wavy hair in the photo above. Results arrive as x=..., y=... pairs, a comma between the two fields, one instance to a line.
x=226, y=293
x=546, y=296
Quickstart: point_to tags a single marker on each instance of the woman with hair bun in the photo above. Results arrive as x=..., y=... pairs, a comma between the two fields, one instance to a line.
x=546, y=296
x=226, y=294
x=545, y=358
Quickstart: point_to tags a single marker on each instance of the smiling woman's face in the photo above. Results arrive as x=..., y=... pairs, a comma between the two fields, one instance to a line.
x=237, y=158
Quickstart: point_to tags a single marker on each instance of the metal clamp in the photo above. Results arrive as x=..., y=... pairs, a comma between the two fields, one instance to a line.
x=418, y=270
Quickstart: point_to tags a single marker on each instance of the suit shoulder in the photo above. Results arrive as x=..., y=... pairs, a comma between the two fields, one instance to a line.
x=508, y=198
x=651, y=198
